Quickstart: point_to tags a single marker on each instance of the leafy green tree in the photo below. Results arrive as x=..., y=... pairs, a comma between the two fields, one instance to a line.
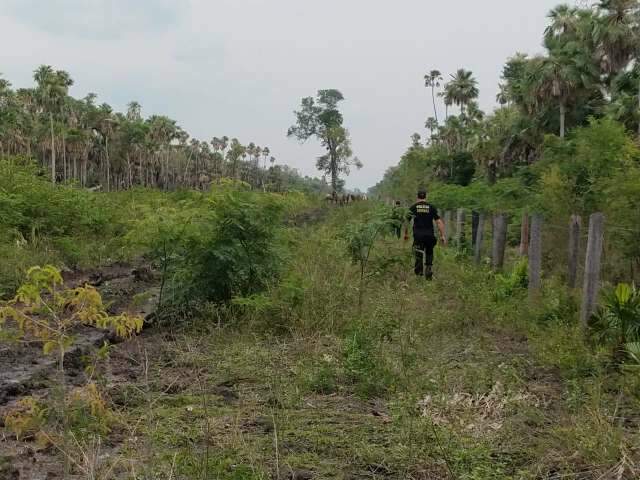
x=321, y=118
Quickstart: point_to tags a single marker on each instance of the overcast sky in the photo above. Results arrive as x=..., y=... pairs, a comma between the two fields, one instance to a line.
x=240, y=67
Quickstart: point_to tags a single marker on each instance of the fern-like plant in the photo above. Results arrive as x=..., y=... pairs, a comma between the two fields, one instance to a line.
x=45, y=311
x=617, y=322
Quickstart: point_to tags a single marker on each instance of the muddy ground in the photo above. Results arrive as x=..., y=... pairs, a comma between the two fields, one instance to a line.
x=27, y=372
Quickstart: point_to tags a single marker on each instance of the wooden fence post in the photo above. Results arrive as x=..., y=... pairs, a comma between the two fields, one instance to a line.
x=460, y=224
x=447, y=225
x=477, y=253
x=475, y=219
x=535, y=256
x=499, y=241
x=524, y=235
x=591, y=284
x=574, y=250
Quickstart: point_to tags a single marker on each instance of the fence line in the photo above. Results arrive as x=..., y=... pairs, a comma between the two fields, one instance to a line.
x=531, y=231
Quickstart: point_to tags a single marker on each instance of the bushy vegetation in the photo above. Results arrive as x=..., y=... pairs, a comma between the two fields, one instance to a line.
x=215, y=247
x=213, y=244
x=43, y=223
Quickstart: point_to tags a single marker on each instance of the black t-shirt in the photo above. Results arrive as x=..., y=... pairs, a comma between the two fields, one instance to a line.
x=423, y=214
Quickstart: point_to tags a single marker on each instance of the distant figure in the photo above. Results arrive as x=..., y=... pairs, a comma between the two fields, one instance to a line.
x=424, y=215
x=398, y=219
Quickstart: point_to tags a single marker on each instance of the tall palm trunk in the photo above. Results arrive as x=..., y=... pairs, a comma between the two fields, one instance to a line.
x=53, y=150
x=64, y=157
x=333, y=158
x=129, y=175
x=563, y=113
x=106, y=149
x=141, y=170
x=433, y=98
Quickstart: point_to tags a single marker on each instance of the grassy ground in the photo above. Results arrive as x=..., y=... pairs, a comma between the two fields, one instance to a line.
x=458, y=378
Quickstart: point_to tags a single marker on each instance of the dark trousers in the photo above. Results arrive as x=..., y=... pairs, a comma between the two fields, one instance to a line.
x=397, y=231
x=423, y=249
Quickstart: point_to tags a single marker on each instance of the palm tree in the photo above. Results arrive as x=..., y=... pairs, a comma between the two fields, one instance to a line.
x=474, y=114
x=617, y=34
x=432, y=126
x=134, y=111
x=564, y=21
x=432, y=80
x=224, y=144
x=266, y=151
x=51, y=91
x=447, y=103
x=236, y=150
x=502, y=97
x=7, y=115
x=555, y=78
x=461, y=89
x=106, y=126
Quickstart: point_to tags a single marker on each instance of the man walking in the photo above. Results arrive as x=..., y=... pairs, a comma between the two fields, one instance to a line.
x=424, y=240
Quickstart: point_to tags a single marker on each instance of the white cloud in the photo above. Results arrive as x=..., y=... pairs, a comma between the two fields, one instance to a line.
x=106, y=19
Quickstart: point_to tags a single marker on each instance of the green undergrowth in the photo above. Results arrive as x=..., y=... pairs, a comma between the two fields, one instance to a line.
x=74, y=228
x=430, y=380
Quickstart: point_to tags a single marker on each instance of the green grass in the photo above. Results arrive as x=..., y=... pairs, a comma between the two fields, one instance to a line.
x=432, y=381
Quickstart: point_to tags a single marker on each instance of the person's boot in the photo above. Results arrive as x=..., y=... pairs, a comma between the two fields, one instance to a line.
x=428, y=274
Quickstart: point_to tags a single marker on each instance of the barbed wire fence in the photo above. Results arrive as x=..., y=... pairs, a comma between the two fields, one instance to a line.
x=584, y=253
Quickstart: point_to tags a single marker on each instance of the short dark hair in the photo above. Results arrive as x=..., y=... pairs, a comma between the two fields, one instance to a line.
x=398, y=202
x=422, y=193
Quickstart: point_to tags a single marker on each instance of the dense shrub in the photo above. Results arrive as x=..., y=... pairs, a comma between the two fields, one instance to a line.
x=32, y=207
x=212, y=248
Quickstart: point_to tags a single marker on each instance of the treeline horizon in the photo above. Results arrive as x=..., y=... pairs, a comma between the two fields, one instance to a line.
x=91, y=144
